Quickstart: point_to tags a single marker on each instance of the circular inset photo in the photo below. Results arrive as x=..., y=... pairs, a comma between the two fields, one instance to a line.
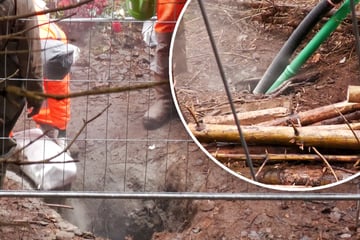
x=270, y=91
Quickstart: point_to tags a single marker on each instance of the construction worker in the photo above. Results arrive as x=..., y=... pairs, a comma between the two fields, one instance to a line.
x=163, y=109
x=167, y=14
x=20, y=66
x=54, y=115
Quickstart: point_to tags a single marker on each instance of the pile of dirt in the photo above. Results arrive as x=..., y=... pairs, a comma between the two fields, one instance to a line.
x=32, y=218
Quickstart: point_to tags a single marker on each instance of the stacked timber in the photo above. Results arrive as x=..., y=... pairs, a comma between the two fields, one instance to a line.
x=310, y=148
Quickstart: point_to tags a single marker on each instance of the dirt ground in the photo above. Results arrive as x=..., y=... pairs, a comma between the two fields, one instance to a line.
x=132, y=159
x=32, y=218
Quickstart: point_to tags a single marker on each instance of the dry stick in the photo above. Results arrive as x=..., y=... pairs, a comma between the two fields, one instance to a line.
x=352, y=130
x=344, y=170
x=316, y=114
x=326, y=162
x=68, y=146
x=42, y=24
x=192, y=113
x=46, y=11
x=43, y=12
x=46, y=161
x=22, y=223
x=248, y=117
x=262, y=165
x=14, y=223
x=330, y=136
x=5, y=160
x=58, y=205
x=81, y=129
x=28, y=222
x=41, y=96
x=84, y=125
x=348, y=124
x=19, y=34
x=196, y=74
x=339, y=119
x=234, y=157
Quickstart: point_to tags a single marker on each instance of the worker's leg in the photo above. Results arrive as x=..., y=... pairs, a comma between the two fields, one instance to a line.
x=162, y=110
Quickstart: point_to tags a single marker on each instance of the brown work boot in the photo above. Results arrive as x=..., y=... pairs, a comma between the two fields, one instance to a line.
x=162, y=110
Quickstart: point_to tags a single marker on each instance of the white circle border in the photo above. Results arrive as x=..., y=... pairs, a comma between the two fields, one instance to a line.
x=267, y=186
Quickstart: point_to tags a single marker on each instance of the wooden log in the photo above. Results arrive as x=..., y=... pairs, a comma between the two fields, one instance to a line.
x=329, y=136
x=245, y=105
x=234, y=157
x=315, y=115
x=250, y=117
x=353, y=94
x=340, y=119
x=303, y=175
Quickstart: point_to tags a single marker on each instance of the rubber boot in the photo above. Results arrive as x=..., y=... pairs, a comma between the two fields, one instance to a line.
x=162, y=110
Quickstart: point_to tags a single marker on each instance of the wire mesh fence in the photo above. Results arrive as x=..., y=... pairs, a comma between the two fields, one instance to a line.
x=105, y=132
x=113, y=150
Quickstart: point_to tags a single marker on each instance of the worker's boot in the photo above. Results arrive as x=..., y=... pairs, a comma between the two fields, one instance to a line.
x=163, y=109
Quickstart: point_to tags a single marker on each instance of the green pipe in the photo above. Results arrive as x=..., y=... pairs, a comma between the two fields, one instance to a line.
x=313, y=45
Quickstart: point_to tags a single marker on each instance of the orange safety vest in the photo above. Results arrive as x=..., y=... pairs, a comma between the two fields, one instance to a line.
x=167, y=13
x=54, y=112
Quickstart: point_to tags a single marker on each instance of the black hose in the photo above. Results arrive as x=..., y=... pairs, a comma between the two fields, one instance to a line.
x=281, y=60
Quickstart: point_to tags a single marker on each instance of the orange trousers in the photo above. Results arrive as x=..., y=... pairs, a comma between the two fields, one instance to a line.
x=167, y=12
x=55, y=113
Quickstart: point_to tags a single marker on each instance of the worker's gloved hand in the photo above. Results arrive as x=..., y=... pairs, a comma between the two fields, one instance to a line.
x=33, y=106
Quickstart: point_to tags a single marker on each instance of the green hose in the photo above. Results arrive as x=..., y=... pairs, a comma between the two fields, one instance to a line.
x=313, y=45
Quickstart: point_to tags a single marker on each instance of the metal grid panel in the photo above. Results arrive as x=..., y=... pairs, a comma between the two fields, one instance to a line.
x=115, y=152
